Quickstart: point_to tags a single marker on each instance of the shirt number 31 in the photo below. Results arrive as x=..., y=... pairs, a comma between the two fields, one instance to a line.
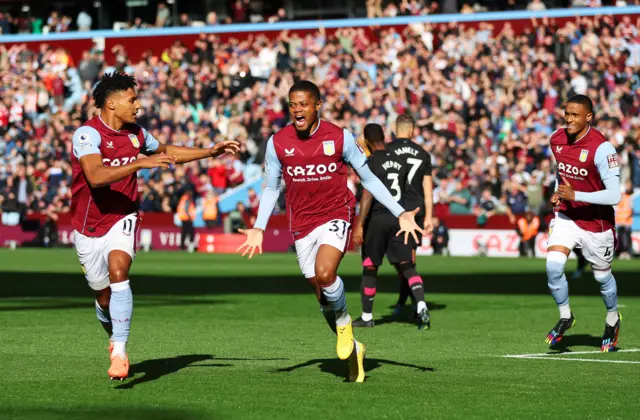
x=339, y=227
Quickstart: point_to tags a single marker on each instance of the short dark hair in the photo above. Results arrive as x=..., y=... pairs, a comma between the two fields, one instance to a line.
x=405, y=120
x=110, y=83
x=582, y=100
x=373, y=133
x=306, y=86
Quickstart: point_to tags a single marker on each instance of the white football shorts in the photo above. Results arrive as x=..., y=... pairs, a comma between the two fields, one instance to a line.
x=598, y=247
x=335, y=233
x=93, y=252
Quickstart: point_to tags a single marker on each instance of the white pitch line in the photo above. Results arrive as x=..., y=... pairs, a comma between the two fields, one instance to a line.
x=569, y=359
x=547, y=355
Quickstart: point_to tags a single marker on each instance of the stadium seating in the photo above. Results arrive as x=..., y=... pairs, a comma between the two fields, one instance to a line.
x=486, y=95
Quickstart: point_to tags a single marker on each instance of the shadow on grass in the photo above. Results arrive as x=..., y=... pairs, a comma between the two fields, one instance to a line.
x=340, y=368
x=154, y=369
x=111, y=412
x=406, y=315
x=576, y=340
x=40, y=304
x=20, y=284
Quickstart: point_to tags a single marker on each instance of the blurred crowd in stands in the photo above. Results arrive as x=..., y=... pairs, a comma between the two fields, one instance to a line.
x=241, y=11
x=485, y=100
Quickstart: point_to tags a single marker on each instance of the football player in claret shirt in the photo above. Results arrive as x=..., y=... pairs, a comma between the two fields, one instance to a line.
x=104, y=202
x=312, y=156
x=588, y=186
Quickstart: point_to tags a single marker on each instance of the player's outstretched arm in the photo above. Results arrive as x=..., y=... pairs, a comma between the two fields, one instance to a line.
x=188, y=154
x=255, y=236
x=86, y=147
x=99, y=175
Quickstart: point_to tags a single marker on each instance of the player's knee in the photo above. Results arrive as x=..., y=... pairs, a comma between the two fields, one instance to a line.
x=555, y=267
x=325, y=275
x=602, y=276
x=407, y=268
x=118, y=273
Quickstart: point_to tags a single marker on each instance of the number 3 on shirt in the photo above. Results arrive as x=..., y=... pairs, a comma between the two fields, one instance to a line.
x=339, y=227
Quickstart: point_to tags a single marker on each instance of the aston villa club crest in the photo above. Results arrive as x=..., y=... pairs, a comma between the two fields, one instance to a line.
x=329, y=147
x=134, y=140
x=583, y=155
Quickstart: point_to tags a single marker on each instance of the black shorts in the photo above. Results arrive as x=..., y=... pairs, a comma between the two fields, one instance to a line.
x=380, y=239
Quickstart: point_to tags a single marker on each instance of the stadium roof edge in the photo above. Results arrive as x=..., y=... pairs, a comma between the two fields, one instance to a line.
x=314, y=24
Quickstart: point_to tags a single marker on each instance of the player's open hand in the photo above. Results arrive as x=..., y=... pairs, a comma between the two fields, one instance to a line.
x=161, y=160
x=565, y=191
x=357, y=236
x=227, y=146
x=408, y=225
x=253, y=242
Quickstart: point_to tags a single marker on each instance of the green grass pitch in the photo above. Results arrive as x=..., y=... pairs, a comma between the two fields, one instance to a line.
x=221, y=337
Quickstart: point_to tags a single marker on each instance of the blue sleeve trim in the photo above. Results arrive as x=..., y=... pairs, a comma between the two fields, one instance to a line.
x=86, y=141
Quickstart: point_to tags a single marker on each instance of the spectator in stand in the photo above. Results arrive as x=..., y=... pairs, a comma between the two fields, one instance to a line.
x=163, y=16
x=47, y=236
x=235, y=171
x=253, y=204
x=210, y=209
x=236, y=219
x=439, y=238
x=219, y=178
x=488, y=205
x=460, y=199
x=187, y=214
x=536, y=6
x=84, y=21
x=624, y=221
x=527, y=228
x=516, y=200
x=240, y=11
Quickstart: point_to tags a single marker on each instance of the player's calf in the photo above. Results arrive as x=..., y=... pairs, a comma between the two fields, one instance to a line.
x=609, y=292
x=559, y=288
x=557, y=282
x=121, y=302
x=326, y=309
x=367, y=295
x=102, y=310
x=414, y=280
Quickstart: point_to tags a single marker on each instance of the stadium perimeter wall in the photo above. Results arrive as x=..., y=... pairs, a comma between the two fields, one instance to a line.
x=496, y=239
x=140, y=41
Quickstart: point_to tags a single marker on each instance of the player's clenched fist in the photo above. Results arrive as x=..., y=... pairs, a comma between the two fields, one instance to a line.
x=566, y=192
x=161, y=160
x=227, y=146
x=253, y=242
x=554, y=200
